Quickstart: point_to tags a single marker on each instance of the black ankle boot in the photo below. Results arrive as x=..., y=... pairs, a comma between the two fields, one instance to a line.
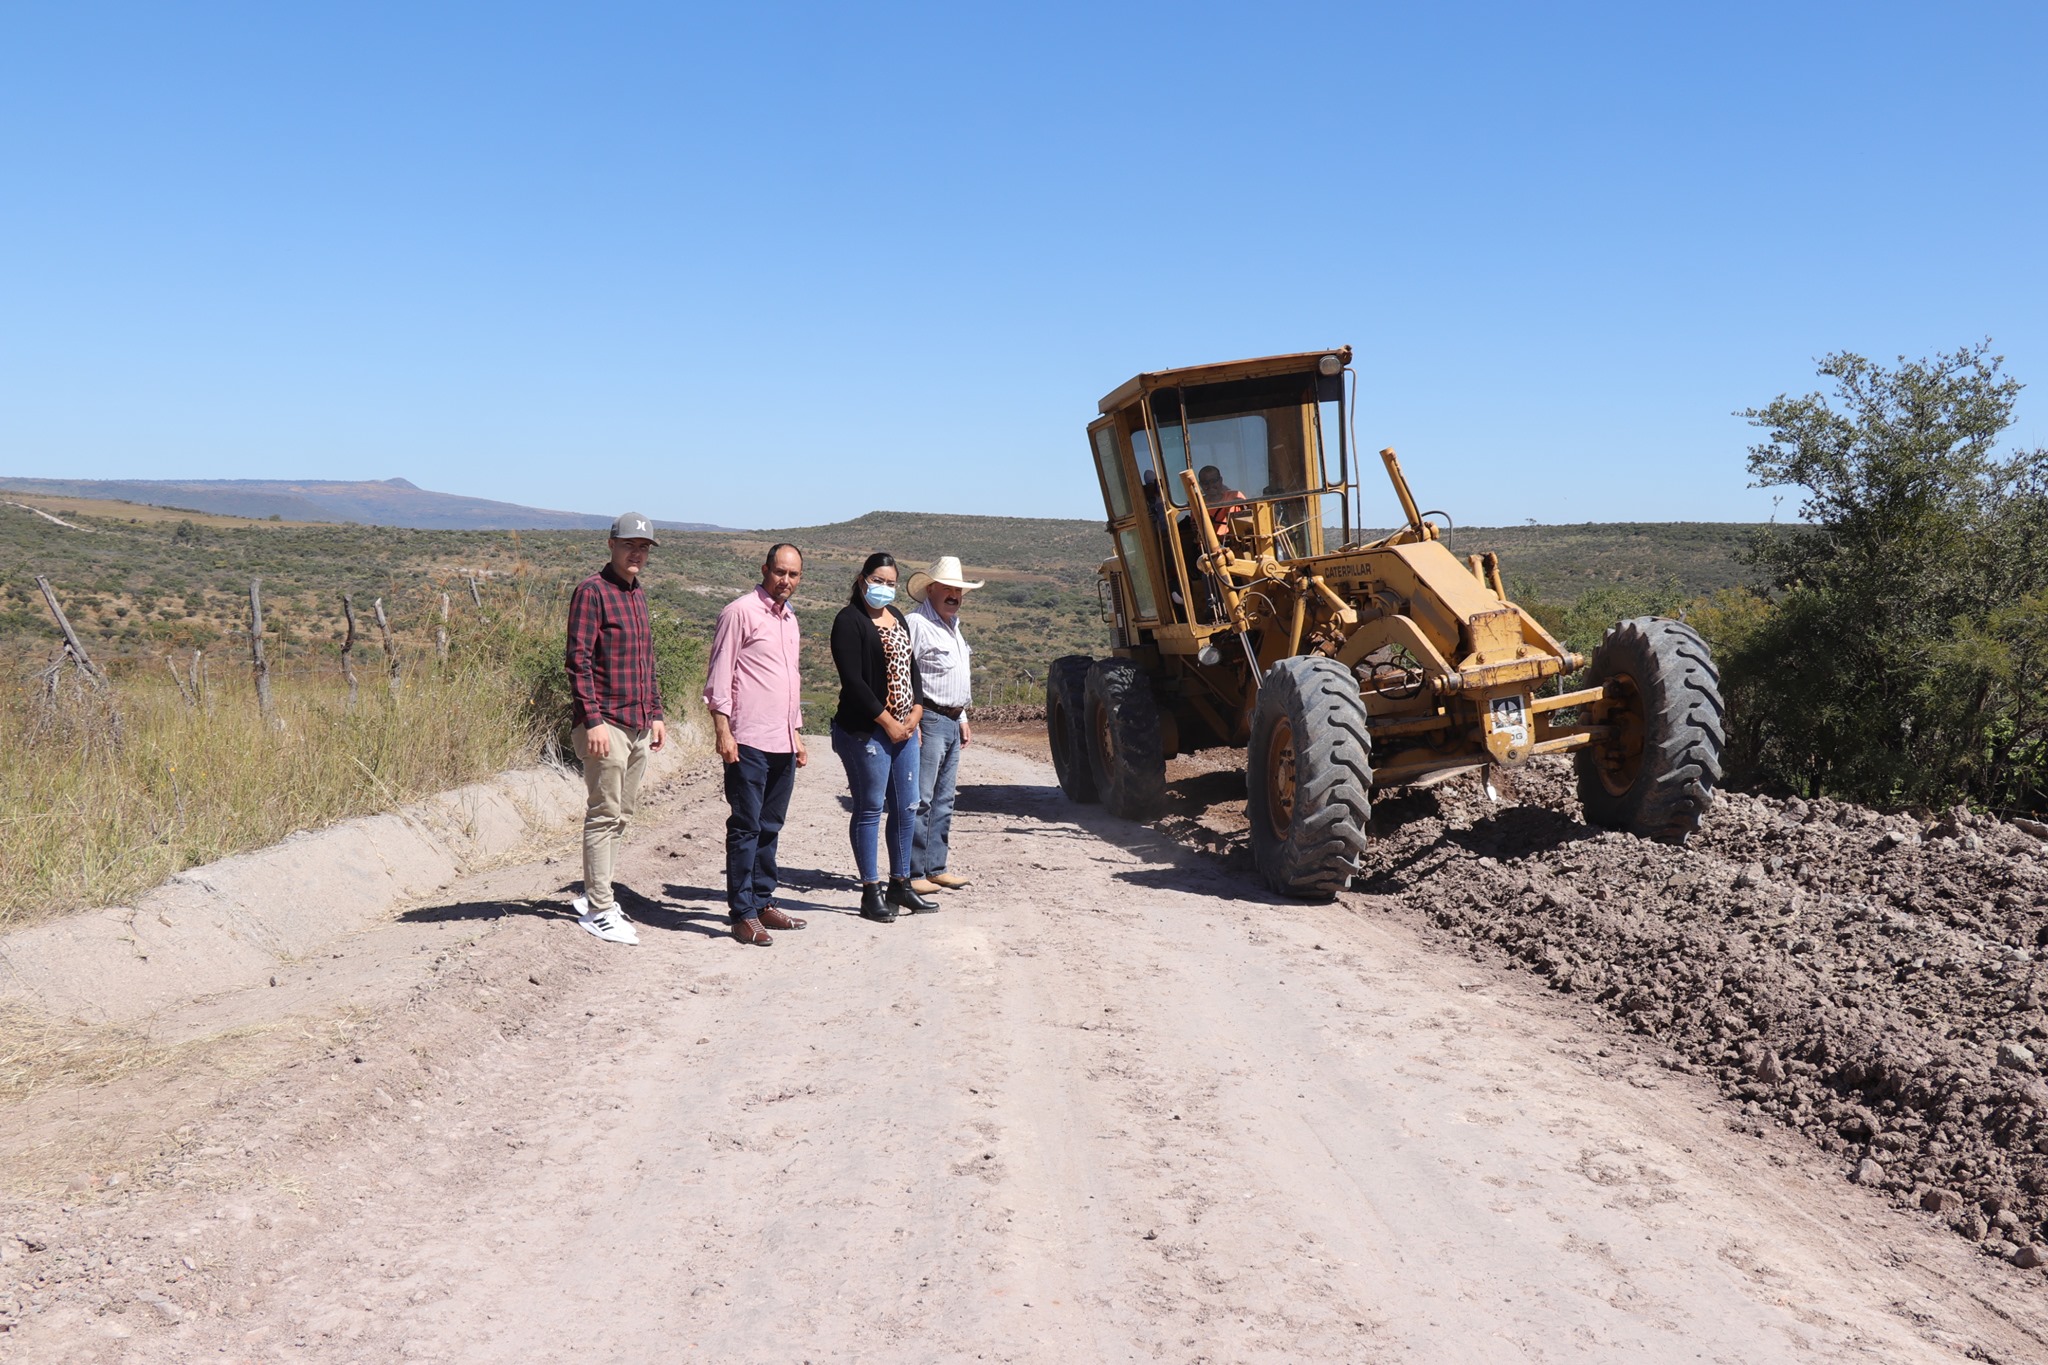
x=900, y=894
x=872, y=905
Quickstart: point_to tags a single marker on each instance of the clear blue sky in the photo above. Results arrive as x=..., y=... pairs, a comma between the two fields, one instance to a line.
x=774, y=265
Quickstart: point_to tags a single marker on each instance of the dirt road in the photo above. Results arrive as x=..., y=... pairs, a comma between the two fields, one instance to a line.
x=1112, y=1104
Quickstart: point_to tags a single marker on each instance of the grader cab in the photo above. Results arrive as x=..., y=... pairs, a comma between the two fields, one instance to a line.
x=1246, y=608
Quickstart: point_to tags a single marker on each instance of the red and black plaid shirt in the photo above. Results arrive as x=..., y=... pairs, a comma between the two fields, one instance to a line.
x=611, y=653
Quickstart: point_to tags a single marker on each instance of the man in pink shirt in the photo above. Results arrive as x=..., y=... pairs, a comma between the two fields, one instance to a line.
x=752, y=689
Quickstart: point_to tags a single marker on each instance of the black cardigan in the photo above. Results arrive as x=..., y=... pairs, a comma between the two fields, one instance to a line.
x=864, y=669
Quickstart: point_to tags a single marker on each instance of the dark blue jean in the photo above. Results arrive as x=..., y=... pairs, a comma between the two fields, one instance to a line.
x=938, y=782
x=757, y=791
x=883, y=776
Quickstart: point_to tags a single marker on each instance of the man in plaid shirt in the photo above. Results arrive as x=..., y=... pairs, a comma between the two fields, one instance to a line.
x=616, y=713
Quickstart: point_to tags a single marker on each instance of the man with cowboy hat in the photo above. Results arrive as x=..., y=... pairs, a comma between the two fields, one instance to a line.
x=942, y=654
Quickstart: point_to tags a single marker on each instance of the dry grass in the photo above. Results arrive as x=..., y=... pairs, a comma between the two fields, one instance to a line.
x=36, y=1052
x=104, y=795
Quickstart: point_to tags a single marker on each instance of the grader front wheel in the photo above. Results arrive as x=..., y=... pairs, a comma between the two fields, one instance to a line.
x=1654, y=774
x=1308, y=777
x=1124, y=749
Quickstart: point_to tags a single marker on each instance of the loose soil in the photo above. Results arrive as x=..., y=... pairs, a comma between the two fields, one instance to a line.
x=1528, y=1092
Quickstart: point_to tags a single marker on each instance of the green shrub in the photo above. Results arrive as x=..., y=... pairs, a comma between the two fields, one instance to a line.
x=536, y=659
x=1904, y=657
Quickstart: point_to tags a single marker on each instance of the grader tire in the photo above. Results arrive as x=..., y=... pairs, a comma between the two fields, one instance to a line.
x=1309, y=778
x=1124, y=748
x=1655, y=777
x=1066, y=727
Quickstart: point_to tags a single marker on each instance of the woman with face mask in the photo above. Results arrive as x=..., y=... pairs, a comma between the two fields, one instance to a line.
x=874, y=732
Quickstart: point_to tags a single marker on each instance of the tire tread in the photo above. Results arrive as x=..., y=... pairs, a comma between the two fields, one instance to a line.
x=1685, y=730
x=1333, y=777
x=1134, y=787
x=1066, y=713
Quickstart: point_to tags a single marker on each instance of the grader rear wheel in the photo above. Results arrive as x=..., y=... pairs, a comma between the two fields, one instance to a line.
x=1124, y=748
x=1066, y=730
x=1654, y=775
x=1309, y=777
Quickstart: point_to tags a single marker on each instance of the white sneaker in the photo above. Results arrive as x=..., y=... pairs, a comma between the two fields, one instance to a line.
x=610, y=925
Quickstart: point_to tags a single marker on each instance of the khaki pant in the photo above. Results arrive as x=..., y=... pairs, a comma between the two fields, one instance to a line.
x=613, y=783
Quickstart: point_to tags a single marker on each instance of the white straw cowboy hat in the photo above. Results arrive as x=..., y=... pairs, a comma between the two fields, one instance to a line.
x=945, y=569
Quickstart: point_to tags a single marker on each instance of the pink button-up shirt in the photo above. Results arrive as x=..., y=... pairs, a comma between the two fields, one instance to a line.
x=752, y=680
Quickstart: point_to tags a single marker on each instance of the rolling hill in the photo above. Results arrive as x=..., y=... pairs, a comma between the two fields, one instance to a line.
x=387, y=502
x=140, y=582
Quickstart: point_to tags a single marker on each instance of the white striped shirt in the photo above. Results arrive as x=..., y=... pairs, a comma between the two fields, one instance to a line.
x=941, y=657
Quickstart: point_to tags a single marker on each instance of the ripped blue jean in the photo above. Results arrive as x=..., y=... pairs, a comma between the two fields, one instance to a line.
x=883, y=776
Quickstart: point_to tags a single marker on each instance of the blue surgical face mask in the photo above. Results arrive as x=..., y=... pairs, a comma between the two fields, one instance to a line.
x=881, y=594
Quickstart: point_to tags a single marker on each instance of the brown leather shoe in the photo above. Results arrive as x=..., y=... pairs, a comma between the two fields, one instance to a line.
x=925, y=887
x=950, y=881
x=774, y=918
x=750, y=931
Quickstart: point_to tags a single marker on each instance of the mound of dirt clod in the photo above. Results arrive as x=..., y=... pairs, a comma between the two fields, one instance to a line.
x=1877, y=982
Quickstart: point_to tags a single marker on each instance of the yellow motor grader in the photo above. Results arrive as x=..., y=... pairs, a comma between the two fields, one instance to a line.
x=1341, y=668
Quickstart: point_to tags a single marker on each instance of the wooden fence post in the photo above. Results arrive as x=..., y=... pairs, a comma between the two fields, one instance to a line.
x=441, y=633
x=191, y=702
x=348, y=645
x=199, y=676
x=390, y=652
x=477, y=598
x=257, y=663
x=77, y=650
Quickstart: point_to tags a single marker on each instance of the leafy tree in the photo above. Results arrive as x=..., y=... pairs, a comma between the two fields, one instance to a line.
x=1902, y=659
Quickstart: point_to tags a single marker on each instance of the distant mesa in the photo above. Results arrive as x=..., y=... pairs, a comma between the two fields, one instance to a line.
x=387, y=502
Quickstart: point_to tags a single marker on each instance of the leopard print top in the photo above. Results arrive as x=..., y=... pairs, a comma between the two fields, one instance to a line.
x=896, y=646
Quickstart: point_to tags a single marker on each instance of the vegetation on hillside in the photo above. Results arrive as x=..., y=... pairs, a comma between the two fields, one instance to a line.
x=141, y=583
x=1564, y=564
